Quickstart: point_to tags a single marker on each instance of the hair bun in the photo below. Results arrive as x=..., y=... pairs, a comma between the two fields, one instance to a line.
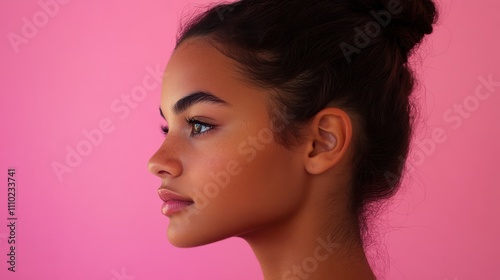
x=411, y=21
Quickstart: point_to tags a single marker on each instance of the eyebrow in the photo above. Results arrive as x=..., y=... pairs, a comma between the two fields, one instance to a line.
x=197, y=97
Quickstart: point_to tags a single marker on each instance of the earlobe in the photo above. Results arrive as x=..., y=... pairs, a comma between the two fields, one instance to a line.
x=330, y=136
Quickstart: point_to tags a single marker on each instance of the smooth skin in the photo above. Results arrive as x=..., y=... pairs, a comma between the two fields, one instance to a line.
x=287, y=204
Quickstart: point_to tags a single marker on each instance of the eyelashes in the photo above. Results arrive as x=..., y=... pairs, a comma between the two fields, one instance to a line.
x=164, y=130
x=198, y=128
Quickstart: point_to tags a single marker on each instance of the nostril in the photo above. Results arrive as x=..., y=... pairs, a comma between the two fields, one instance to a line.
x=156, y=170
x=154, y=167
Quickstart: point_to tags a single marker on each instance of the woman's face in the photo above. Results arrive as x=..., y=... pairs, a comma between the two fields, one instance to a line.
x=225, y=158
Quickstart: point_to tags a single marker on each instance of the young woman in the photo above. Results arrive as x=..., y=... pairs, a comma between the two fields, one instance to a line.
x=287, y=120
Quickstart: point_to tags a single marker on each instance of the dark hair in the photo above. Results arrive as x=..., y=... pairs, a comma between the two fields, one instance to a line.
x=350, y=54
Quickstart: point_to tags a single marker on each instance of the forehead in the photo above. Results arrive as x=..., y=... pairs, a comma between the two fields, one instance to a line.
x=197, y=65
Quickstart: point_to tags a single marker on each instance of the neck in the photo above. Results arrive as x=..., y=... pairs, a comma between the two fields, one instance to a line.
x=300, y=247
x=296, y=256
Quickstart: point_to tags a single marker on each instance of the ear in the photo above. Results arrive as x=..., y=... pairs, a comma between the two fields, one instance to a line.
x=330, y=136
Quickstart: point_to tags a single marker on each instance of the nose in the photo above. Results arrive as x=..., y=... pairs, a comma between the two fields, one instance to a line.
x=164, y=163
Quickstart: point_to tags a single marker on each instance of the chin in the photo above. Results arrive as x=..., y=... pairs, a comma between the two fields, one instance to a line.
x=192, y=239
x=184, y=236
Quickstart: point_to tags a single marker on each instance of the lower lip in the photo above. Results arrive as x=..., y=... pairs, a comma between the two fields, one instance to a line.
x=173, y=206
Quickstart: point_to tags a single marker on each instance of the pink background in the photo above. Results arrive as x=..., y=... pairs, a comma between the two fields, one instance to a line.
x=103, y=219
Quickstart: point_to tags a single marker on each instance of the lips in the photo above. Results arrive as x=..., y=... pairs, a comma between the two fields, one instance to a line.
x=167, y=195
x=173, y=202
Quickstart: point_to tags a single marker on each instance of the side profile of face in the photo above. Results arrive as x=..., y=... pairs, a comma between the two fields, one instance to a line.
x=224, y=158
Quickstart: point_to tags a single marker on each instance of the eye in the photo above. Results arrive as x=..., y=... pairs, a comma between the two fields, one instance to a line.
x=198, y=128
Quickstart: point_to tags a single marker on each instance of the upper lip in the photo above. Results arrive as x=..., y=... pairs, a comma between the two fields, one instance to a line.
x=167, y=195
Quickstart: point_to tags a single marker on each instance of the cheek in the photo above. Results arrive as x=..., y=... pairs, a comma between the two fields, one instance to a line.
x=244, y=194
x=270, y=184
